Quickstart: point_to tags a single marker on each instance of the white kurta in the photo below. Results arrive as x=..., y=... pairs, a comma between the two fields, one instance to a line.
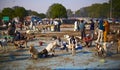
x=31, y=25
x=75, y=26
x=52, y=45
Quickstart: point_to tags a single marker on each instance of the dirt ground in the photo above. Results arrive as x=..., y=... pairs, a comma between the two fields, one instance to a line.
x=85, y=58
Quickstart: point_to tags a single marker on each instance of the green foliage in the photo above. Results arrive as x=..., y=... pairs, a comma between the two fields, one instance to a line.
x=57, y=11
x=115, y=8
x=77, y=13
x=106, y=10
x=20, y=11
x=0, y=15
x=69, y=13
x=14, y=12
x=30, y=12
x=42, y=15
x=101, y=10
x=8, y=12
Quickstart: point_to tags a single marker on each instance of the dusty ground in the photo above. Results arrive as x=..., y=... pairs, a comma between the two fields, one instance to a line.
x=18, y=59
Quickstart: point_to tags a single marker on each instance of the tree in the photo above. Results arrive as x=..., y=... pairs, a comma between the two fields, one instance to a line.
x=34, y=13
x=102, y=10
x=57, y=11
x=115, y=8
x=77, y=13
x=69, y=13
x=31, y=12
x=8, y=12
x=42, y=15
x=82, y=12
x=0, y=15
x=20, y=11
x=95, y=10
x=106, y=10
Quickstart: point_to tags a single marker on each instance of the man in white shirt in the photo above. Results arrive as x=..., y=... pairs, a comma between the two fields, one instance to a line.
x=55, y=24
x=76, y=26
x=50, y=48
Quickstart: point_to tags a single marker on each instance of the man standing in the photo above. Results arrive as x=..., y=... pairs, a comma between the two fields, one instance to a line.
x=100, y=31
x=82, y=28
x=58, y=26
x=106, y=26
x=75, y=25
x=55, y=22
x=31, y=25
x=92, y=29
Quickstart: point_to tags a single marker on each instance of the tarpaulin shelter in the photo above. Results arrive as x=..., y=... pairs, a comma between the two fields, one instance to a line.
x=6, y=18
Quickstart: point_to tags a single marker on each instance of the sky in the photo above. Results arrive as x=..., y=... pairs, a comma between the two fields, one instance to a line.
x=41, y=6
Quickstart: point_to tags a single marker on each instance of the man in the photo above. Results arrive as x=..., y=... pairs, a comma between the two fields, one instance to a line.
x=31, y=25
x=82, y=28
x=50, y=48
x=75, y=25
x=100, y=31
x=106, y=26
x=118, y=48
x=11, y=28
x=17, y=36
x=58, y=26
x=88, y=40
x=92, y=29
x=55, y=22
x=72, y=44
